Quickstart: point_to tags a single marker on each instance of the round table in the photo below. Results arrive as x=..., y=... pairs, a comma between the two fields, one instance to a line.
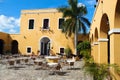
x=52, y=59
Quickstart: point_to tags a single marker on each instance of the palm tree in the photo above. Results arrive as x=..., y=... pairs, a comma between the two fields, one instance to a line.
x=75, y=21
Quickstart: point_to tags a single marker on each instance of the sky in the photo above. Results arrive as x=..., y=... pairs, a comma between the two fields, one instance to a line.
x=10, y=11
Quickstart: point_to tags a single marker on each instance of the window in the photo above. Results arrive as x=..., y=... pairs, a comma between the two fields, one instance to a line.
x=61, y=20
x=31, y=23
x=62, y=50
x=45, y=23
x=28, y=49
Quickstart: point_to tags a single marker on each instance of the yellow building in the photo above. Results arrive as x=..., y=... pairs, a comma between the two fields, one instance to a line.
x=105, y=32
x=39, y=31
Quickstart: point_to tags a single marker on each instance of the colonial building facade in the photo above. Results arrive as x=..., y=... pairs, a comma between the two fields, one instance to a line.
x=40, y=30
x=105, y=32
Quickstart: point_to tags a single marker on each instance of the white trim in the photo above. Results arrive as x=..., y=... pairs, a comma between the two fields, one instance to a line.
x=33, y=24
x=95, y=43
x=92, y=44
x=115, y=30
x=39, y=11
x=64, y=50
x=39, y=42
x=58, y=22
x=43, y=23
x=102, y=40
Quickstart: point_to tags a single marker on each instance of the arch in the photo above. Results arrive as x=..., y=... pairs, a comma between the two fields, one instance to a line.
x=104, y=39
x=104, y=26
x=14, y=47
x=117, y=15
x=92, y=39
x=44, y=46
x=1, y=46
x=96, y=35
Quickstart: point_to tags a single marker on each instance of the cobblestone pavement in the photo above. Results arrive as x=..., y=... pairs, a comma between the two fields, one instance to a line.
x=30, y=72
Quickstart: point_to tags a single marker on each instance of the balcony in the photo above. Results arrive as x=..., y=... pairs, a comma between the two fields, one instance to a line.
x=44, y=28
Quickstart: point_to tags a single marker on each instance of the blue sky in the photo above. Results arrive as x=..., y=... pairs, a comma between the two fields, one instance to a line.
x=10, y=11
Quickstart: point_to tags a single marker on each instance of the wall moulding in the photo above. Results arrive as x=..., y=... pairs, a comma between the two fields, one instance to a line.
x=115, y=30
x=102, y=40
x=95, y=43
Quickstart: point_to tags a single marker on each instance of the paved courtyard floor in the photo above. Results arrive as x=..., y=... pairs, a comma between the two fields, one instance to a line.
x=30, y=72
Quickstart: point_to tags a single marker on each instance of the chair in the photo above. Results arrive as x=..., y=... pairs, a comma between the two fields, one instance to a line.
x=71, y=62
x=58, y=67
x=11, y=64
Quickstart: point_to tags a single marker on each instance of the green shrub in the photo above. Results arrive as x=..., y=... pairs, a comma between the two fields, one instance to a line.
x=84, y=49
x=68, y=52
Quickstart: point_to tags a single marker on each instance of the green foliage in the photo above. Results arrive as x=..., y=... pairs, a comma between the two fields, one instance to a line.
x=74, y=14
x=116, y=68
x=84, y=46
x=7, y=52
x=99, y=71
x=68, y=52
x=84, y=49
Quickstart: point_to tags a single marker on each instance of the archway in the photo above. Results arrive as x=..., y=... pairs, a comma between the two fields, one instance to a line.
x=14, y=47
x=115, y=34
x=1, y=46
x=117, y=15
x=96, y=51
x=92, y=46
x=104, y=40
x=96, y=35
x=45, y=46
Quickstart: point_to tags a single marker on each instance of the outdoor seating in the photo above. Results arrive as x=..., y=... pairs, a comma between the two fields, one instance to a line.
x=52, y=67
x=38, y=62
x=71, y=62
x=17, y=61
x=11, y=62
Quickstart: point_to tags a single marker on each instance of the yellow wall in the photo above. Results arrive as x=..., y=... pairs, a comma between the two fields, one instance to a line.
x=34, y=36
x=31, y=38
x=5, y=37
x=106, y=21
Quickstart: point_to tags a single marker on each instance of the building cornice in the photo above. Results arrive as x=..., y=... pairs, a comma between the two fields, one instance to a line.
x=38, y=11
x=115, y=30
x=102, y=40
x=95, y=43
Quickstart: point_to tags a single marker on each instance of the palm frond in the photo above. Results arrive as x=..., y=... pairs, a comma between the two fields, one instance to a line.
x=73, y=5
x=66, y=11
x=86, y=21
x=83, y=28
x=72, y=11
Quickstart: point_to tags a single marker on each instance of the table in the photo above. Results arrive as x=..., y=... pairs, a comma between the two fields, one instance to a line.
x=71, y=62
x=52, y=59
x=52, y=67
x=38, y=62
x=11, y=61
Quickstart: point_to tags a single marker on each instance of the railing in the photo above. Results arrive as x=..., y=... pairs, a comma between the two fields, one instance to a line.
x=44, y=28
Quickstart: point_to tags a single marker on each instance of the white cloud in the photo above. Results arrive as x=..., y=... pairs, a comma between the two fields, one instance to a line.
x=9, y=23
x=91, y=2
x=80, y=4
x=12, y=31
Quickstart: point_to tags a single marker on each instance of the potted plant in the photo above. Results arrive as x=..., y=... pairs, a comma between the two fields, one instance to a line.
x=68, y=52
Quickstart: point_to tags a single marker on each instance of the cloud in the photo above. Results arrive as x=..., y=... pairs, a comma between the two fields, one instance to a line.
x=12, y=31
x=90, y=2
x=80, y=4
x=9, y=23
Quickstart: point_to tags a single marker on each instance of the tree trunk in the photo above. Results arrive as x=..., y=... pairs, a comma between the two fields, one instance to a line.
x=76, y=35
